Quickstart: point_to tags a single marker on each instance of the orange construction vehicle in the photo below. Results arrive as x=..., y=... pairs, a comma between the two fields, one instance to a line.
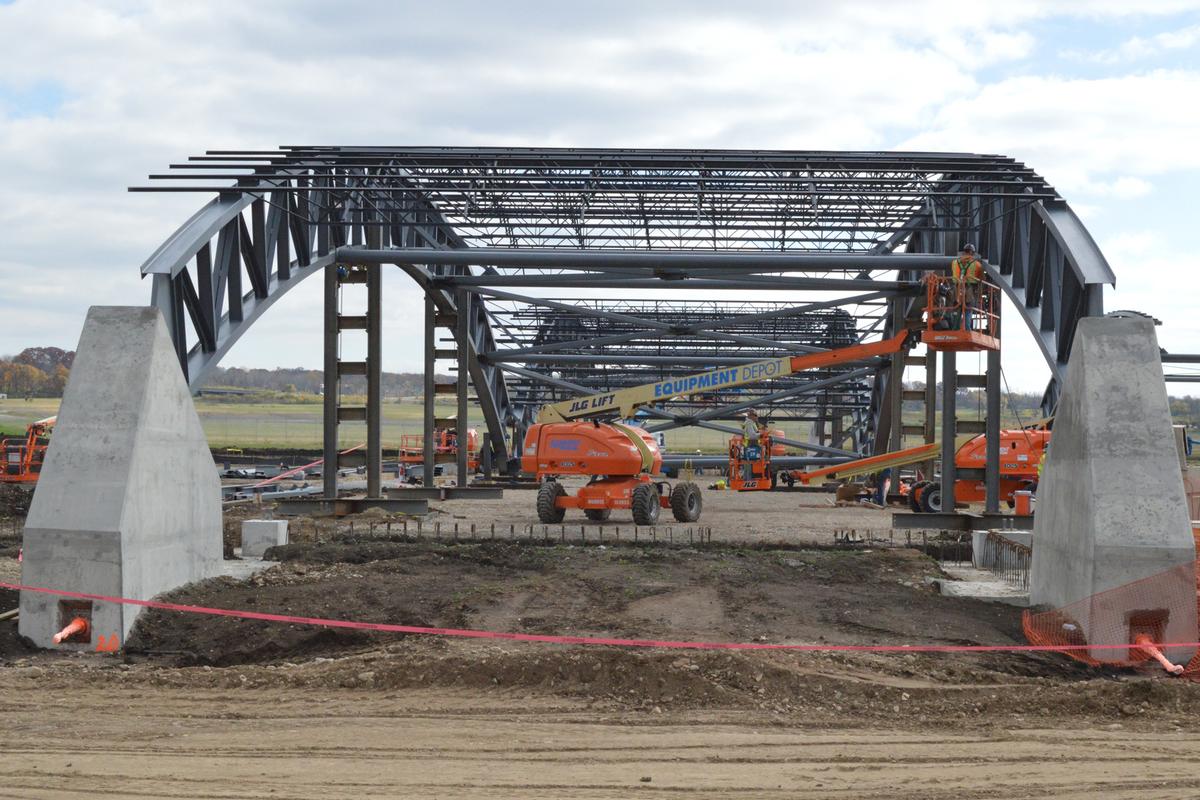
x=959, y=317
x=445, y=448
x=622, y=461
x=23, y=457
x=758, y=455
x=1021, y=452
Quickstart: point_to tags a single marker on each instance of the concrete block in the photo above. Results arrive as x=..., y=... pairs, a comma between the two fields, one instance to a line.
x=1111, y=507
x=259, y=534
x=128, y=503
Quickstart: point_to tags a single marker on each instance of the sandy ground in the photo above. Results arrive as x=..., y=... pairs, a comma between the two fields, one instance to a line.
x=271, y=744
x=216, y=708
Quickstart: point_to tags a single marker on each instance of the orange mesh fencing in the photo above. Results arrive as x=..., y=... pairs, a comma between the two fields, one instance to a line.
x=1108, y=627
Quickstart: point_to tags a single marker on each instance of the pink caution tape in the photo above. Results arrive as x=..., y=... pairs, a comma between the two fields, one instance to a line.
x=588, y=640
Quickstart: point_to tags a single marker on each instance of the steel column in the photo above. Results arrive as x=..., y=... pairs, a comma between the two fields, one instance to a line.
x=930, y=407
x=462, y=304
x=329, y=469
x=949, y=412
x=991, y=475
x=374, y=381
x=430, y=396
x=895, y=391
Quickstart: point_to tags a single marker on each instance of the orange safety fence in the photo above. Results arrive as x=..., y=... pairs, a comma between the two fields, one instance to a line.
x=1159, y=610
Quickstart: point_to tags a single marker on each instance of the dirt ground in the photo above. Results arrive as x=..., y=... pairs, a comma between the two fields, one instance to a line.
x=270, y=743
x=795, y=516
x=208, y=707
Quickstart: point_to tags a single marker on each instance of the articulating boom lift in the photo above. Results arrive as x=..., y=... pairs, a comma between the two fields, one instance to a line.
x=23, y=456
x=569, y=438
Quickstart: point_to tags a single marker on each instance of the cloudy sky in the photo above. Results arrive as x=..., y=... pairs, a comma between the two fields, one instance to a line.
x=1100, y=97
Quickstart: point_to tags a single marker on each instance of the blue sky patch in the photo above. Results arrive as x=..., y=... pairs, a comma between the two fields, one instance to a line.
x=42, y=99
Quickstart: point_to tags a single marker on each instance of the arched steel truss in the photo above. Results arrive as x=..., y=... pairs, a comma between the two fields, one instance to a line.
x=513, y=227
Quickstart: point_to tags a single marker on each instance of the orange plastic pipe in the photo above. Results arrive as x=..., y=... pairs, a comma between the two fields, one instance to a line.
x=78, y=625
x=1145, y=643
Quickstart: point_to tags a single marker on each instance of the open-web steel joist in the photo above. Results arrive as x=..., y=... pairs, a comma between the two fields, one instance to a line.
x=532, y=239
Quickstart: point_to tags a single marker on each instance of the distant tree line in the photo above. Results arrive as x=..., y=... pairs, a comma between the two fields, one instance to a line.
x=1022, y=404
x=43, y=371
x=36, y=372
x=294, y=380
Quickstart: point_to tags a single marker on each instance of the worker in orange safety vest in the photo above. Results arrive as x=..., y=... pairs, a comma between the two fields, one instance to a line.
x=967, y=271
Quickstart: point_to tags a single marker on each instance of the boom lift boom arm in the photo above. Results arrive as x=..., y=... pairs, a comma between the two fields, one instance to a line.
x=624, y=402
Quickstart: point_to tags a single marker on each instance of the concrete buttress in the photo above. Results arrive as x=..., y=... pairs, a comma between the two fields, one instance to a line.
x=128, y=503
x=1111, y=513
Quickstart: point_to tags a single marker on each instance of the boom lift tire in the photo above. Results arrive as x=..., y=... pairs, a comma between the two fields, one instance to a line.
x=547, y=511
x=597, y=514
x=915, y=494
x=931, y=498
x=644, y=504
x=686, y=502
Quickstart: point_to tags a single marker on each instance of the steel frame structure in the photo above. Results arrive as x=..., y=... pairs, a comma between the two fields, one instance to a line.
x=549, y=254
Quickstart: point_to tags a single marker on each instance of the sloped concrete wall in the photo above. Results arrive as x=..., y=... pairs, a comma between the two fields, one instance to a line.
x=1111, y=507
x=128, y=502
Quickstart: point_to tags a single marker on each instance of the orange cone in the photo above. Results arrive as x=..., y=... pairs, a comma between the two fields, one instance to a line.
x=78, y=625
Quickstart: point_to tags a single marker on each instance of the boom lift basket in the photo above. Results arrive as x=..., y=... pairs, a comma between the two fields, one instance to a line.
x=961, y=317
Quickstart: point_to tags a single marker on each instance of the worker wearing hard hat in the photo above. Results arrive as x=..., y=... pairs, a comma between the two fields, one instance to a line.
x=967, y=271
x=749, y=439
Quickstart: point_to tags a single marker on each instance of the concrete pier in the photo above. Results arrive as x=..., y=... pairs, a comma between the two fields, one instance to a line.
x=1111, y=508
x=128, y=503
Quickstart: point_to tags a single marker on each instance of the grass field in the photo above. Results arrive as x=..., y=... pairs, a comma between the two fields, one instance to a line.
x=298, y=425
x=258, y=425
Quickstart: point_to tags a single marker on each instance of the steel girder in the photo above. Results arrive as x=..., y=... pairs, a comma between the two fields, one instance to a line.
x=279, y=216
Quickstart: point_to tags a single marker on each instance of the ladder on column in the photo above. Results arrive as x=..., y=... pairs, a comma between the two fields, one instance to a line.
x=925, y=431
x=338, y=321
x=455, y=321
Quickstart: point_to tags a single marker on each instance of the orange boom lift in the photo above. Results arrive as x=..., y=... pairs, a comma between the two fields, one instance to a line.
x=23, y=457
x=1021, y=451
x=622, y=461
x=445, y=448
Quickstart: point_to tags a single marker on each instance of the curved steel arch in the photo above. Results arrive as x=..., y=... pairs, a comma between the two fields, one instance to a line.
x=286, y=212
x=197, y=272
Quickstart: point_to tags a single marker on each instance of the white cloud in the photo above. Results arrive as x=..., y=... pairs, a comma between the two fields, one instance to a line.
x=1076, y=131
x=1123, y=188
x=1139, y=47
x=145, y=84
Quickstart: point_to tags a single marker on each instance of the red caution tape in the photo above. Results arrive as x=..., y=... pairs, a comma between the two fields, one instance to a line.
x=588, y=640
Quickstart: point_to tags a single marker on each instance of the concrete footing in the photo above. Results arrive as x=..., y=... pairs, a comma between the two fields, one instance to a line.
x=1111, y=508
x=258, y=535
x=128, y=503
